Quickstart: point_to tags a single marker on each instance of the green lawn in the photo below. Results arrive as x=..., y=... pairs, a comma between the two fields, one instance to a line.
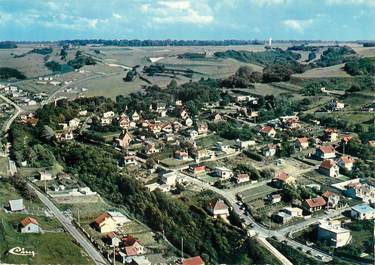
x=4, y=166
x=255, y=193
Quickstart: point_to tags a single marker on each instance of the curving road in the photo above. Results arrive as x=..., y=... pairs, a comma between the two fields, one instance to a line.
x=15, y=115
x=69, y=226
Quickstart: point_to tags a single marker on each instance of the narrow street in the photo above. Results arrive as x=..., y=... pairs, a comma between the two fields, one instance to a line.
x=70, y=228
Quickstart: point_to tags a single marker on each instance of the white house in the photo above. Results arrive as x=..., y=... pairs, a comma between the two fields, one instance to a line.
x=325, y=152
x=363, y=212
x=223, y=172
x=218, y=208
x=108, y=114
x=169, y=178
x=244, y=144
x=334, y=234
x=44, y=175
x=329, y=168
x=130, y=160
x=74, y=123
x=345, y=162
x=30, y=225
x=16, y=205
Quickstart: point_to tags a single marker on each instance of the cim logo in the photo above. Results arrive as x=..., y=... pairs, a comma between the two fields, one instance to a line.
x=18, y=251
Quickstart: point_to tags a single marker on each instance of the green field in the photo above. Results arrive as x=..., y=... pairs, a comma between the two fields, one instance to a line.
x=3, y=166
x=255, y=193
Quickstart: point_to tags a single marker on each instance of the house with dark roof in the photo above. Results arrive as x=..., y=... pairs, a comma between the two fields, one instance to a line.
x=218, y=208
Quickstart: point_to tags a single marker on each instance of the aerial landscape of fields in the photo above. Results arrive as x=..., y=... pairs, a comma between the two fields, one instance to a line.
x=187, y=132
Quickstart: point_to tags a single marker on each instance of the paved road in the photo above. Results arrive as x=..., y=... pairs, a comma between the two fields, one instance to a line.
x=66, y=222
x=15, y=115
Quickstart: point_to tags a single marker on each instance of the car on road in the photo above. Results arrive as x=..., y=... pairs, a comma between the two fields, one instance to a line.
x=252, y=225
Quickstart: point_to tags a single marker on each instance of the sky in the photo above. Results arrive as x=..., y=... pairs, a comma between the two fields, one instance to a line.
x=187, y=19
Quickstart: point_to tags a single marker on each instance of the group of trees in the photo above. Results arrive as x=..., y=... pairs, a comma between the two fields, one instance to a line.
x=8, y=45
x=232, y=130
x=335, y=55
x=8, y=73
x=360, y=66
x=81, y=60
x=244, y=77
x=140, y=43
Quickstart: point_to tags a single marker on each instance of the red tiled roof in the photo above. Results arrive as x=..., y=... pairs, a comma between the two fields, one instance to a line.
x=266, y=129
x=303, y=140
x=327, y=149
x=316, y=202
x=243, y=176
x=347, y=159
x=330, y=130
x=282, y=176
x=129, y=240
x=101, y=218
x=327, y=164
x=131, y=251
x=111, y=235
x=347, y=138
x=327, y=194
x=193, y=261
x=28, y=220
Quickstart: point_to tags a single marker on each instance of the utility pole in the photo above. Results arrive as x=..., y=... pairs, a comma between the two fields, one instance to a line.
x=114, y=255
x=79, y=221
x=182, y=249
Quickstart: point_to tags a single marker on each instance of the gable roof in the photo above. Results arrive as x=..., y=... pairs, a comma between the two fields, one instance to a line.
x=217, y=204
x=193, y=261
x=303, y=140
x=346, y=159
x=327, y=149
x=16, y=205
x=101, y=218
x=316, y=202
x=266, y=129
x=29, y=220
x=282, y=176
x=131, y=251
x=328, y=194
x=129, y=240
x=327, y=164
